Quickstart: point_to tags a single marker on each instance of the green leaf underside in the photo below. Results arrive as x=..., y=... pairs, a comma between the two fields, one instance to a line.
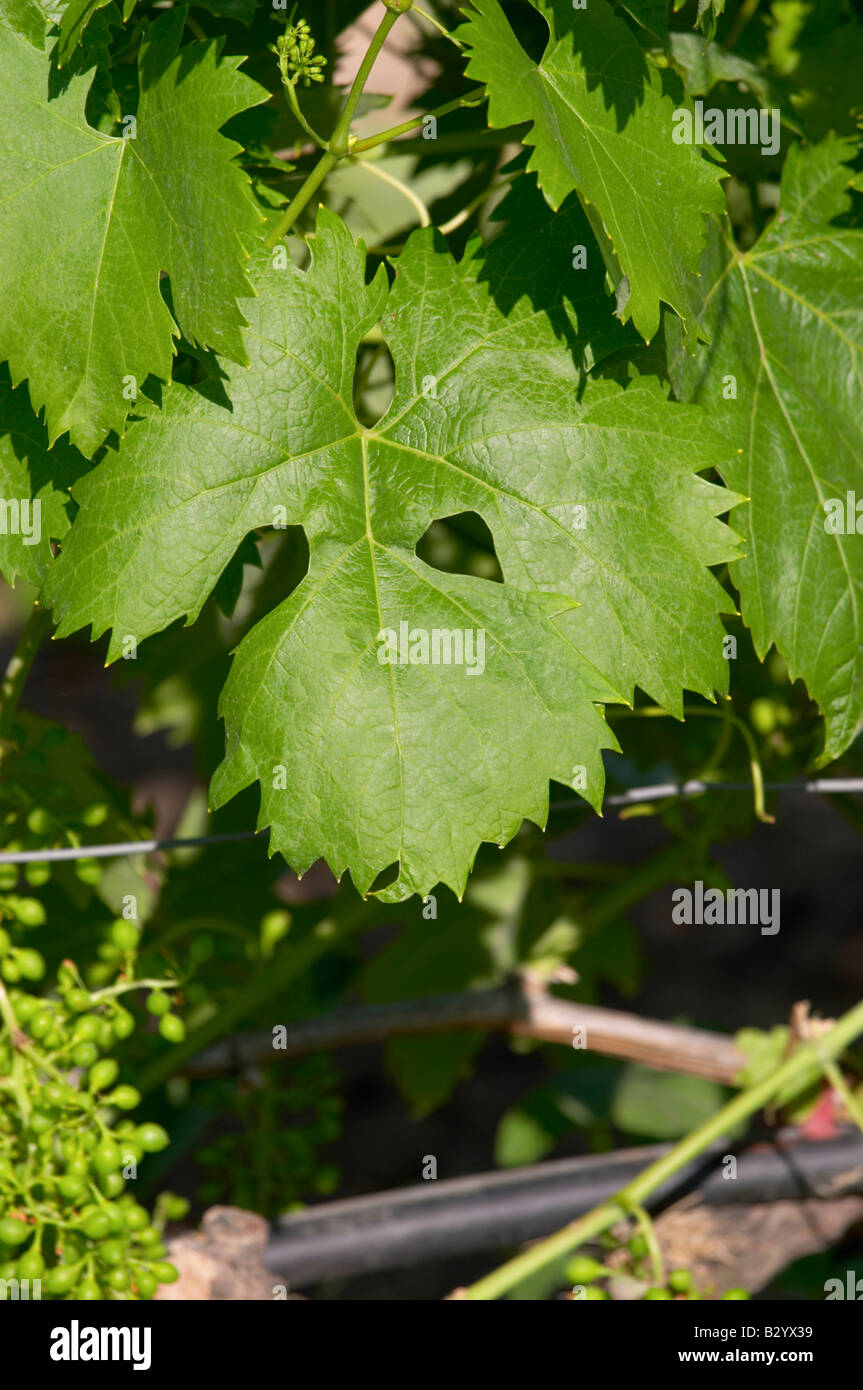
x=30, y=474
x=785, y=320
x=602, y=127
x=414, y=764
x=94, y=220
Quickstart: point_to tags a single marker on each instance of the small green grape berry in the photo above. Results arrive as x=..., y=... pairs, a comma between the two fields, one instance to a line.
x=124, y=1023
x=680, y=1280
x=61, y=1279
x=37, y=875
x=124, y=1097
x=152, y=1137
x=13, y=1231
x=86, y=1028
x=117, y=1217
x=102, y=1074
x=112, y=1252
x=30, y=1265
x=30, y=963
x=70, y=1187
x=107, y=1157
x=5, y=942
x=96, y=813
x=583, y=1270
x=655, y=1295
x=165, y=1273
x=112, y=1184
x=85, y=1054
x=39, y=820
x=26, y=1005
x=41, y=1026
x=78, y=1000
x=594, y=1294
x=158, y=1002
x=762, y=715
x=175, y=1207
x=8, y=876
x=735, y=1294
x=118, y=1279
x=10, y=970
x=125, y=935
x=29, y=912
x=145, y=1284
x=105, y=1037
x=88, y=871
x=96, y=1224
x=149, y=1236
x=172, y=1028
x=137, y=1218
x=88, y=1291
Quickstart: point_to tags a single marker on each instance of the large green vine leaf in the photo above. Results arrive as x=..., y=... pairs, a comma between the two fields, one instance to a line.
x=602, y=125
x=366, y=763
x=786, y=329
x=88, y=222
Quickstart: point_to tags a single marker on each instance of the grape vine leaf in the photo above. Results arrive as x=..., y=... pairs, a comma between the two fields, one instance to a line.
x=366, y=763
x=652, y=15
x=29, y=475
x=602, y=125
x=786, y=326
x=704, y=66
x=76, y=17
x=27, y=19
x=81, y=314
x=706, y=16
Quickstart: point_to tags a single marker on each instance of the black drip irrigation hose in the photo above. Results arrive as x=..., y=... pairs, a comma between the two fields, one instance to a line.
x=489, y=1211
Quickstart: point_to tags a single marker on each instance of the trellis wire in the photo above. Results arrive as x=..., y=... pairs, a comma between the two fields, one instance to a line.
x=822, y=786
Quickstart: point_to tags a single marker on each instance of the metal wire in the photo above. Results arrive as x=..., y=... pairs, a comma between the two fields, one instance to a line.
x=821, y=786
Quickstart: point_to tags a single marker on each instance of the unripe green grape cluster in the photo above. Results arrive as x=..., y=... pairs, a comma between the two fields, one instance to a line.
x=68, y=1148
x=295, y=49
x=679, y=1284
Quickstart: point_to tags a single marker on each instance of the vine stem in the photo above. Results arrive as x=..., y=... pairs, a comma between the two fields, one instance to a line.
x=293, y=102
x=436, y=24
x=337, y=146
x=843, y=1090
x=845, y=1031
x=15, y=676
x=653, y=711
x=473, y=98
x=326, y=162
